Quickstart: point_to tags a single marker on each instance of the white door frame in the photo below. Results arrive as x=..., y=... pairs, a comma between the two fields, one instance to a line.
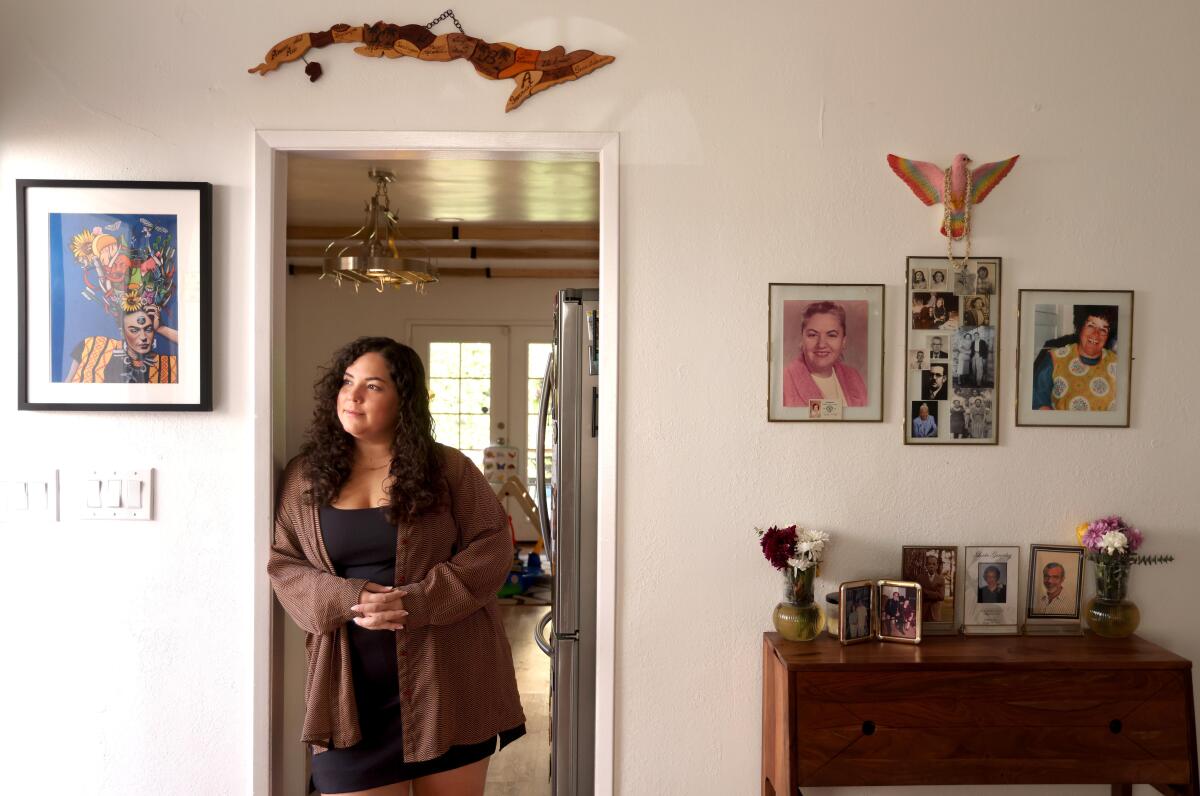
x=267, y=269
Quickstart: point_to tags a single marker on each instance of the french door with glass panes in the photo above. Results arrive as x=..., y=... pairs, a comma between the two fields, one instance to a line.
x=485, y=383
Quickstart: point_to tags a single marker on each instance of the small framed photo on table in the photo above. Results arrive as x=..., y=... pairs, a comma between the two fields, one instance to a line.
x=1055, y=586
x=935, y=567
x=899, y=617
x=1074, y=357
x=825, y=352
x=992, y=592
x=114, y=281
x=859, y=603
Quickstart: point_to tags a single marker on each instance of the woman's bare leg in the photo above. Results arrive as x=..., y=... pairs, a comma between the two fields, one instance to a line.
x=395, y=789
x=466, y=780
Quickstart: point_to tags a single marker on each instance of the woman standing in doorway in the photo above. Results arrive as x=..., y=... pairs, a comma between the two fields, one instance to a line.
x=388, y=552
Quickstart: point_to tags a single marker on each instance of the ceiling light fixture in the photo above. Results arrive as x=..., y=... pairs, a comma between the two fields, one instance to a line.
x=377, y=253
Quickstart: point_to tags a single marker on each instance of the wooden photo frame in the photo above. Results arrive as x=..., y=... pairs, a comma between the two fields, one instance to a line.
x=859, y=608
x=114, y=286
x=935, y=567
x=1074, y=358
x=825, y=352
x=991, y=591
x=1055, y=587
x=899, y=615
x=952, y=336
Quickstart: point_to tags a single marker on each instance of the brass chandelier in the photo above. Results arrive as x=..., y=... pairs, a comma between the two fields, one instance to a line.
x=377, y=253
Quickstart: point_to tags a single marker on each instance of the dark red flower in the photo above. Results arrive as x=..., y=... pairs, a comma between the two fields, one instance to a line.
x=778, y=545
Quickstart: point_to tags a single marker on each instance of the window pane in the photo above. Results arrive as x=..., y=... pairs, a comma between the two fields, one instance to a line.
x=443, y=396
x=445, y=429
x=475, y=456
x=475, y=432
x=538, y=354
x=475, y=396
x=443, y=360
x=477, y=360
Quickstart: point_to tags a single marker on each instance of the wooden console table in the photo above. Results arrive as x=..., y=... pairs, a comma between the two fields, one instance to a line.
x=957, y=710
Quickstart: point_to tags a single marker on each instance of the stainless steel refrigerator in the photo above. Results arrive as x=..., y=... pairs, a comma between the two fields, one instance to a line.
x=568, y=519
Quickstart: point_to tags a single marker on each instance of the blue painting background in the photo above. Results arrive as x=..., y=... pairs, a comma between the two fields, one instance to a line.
x=72, y=315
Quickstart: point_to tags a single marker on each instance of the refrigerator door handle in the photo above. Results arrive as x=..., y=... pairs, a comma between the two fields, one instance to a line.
x=543, y=513
x=539, y=633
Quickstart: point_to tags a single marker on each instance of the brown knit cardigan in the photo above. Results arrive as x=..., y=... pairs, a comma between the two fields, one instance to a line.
x=457, y=684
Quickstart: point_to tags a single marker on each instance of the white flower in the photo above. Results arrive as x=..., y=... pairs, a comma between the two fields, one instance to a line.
x=1113, y=542
x=801, y=563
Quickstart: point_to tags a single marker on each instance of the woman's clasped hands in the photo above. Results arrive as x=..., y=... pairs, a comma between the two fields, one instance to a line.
x=382, y=607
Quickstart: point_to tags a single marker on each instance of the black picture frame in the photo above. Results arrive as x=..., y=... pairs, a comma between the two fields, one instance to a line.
x=181, y=383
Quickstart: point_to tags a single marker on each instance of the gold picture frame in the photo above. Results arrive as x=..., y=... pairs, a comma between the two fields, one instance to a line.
x=899, y=614
x=857, y=624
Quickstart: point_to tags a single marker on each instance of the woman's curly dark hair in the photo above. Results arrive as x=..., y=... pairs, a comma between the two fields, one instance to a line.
x=416, y=462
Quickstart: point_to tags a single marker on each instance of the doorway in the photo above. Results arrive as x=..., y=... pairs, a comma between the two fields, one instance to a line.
x=276, y=440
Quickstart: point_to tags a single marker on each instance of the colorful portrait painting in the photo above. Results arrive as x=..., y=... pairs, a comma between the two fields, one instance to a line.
x=114, y=295
x=113, y=300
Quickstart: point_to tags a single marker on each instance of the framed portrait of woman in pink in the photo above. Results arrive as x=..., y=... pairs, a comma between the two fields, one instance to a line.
x=825, y=352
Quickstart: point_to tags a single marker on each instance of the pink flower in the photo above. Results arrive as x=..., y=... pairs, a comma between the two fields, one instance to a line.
x=1135, y=539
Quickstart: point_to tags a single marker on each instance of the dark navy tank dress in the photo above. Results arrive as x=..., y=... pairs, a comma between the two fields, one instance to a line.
x=362, y=544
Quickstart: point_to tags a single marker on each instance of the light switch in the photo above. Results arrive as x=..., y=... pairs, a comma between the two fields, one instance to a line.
x=91, y=491
x=38, y=496
x=112, y=494
x=132, y=497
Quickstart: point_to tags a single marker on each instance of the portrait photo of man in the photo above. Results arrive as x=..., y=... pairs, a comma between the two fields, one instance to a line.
x=1054, y=581
x=935, y=569
x=934, y=384
x=937, y=347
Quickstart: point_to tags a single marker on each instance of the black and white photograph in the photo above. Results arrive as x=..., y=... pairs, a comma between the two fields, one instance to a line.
x=945, y=311
x=964, y=283
x=935, y=384
x=976, y=311
x=991, y=577
x=899, y=611
x=975, y=357
x=978, y=415
x=858, y=601
x=918, y=359
x=1074, y=358
x=985, y=283
x=937, y=280
x=938, y=348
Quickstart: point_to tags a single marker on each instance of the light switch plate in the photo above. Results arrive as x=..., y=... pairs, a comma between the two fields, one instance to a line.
x=28, y=496
x=116, y=494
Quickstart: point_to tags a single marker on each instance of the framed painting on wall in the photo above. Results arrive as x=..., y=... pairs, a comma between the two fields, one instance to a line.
x=951, y=337
x=1074, y=357
x=114, y=288
x=825, y=352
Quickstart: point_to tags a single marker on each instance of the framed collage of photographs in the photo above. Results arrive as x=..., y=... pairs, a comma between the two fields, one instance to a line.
x=1074, y=357
x=935, y=568
x=992, y=588
x=825, y=352
x=114, y=292
x=951, y=339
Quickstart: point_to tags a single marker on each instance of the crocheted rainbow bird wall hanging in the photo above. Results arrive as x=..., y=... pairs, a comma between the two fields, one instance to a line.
x=957, y=188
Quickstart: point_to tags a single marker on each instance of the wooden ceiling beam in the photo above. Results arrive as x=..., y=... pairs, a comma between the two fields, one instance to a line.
x=466, y=231
x=487, y=273
x=479, y=252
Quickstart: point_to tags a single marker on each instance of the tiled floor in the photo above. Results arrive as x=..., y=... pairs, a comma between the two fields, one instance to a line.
x=523, y=767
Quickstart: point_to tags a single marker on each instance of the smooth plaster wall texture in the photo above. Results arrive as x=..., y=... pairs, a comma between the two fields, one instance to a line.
x=753, y=143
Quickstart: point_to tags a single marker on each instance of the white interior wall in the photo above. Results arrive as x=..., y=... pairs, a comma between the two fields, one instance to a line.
x=753, y=144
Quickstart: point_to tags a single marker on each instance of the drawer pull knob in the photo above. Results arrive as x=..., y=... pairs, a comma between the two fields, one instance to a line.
x=868, y=728
x=1114, y=726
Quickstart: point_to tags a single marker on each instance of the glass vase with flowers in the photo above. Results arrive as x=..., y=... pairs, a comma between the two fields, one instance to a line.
x=1112, y=545
x=797, y=553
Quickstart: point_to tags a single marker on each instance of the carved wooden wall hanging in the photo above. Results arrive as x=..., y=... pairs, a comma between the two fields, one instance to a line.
x=533, y=70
